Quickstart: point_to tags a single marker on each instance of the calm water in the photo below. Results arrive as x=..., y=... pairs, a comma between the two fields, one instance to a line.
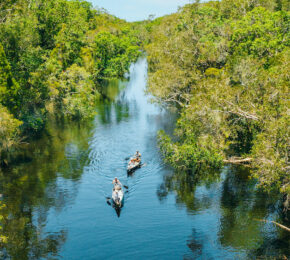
x=55, y=194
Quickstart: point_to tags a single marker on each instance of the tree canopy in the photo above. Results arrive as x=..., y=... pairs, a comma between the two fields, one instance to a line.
x=52, y=56
x=226, y=66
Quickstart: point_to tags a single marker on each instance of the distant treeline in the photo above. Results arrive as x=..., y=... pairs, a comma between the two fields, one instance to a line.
x=52, y=55
x=225, y=64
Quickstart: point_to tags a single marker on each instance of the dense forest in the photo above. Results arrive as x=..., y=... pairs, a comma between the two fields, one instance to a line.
x=53, y=58
x=225, y=65
x=53, y=55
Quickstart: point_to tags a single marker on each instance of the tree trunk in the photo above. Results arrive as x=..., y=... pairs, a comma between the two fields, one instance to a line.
x=238, y=160
x=277, y=224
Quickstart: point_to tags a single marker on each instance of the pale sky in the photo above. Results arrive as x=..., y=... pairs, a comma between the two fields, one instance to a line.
x=136, y=10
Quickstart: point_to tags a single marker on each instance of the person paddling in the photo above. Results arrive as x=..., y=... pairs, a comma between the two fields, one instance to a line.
x=136, y=158
x=117, y=184
x=137, y=155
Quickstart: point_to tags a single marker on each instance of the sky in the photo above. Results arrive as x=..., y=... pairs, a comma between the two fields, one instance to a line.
x=136, y=10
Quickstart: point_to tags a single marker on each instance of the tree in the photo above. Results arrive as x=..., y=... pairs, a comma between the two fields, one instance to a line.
x=9, y=133
x=9, y=88
x=223, y=65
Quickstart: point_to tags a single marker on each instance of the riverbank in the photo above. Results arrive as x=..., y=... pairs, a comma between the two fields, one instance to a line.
x=216, y=62
x=51, y=61
x=224, y=64
x=56, y=198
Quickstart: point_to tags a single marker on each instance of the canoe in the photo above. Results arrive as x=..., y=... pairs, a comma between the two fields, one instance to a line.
x=132, y=166
x=118, y=197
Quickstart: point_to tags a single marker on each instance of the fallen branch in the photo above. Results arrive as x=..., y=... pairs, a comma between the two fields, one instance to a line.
x=274, y=222
x=242, y=113
x=238, y=160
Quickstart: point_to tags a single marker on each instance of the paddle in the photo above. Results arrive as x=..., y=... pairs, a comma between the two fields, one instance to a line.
x=108, y=201
x=126, y=187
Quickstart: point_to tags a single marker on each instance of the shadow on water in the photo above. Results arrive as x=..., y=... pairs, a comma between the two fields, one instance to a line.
x=108, y=105
x=242, y=205
x=195, y=246
x=55, y=194
x=33, y=188
x=184, y=186
x=231, y=205
x=118, y=210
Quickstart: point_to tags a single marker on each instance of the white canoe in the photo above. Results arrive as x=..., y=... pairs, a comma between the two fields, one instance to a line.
x=117, y=197
x=133, y=166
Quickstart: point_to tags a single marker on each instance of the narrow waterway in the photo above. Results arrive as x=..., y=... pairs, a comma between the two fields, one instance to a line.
x=55, y=193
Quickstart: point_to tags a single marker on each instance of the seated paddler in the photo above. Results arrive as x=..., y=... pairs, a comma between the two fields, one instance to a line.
x=117, y=184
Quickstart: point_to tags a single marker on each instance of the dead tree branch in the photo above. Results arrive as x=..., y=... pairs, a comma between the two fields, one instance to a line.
x=238, y=160
x=275, y=223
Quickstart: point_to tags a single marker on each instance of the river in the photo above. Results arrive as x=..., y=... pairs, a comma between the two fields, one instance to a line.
x=55, y=193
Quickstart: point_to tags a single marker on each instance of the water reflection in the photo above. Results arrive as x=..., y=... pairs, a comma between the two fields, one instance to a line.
x=195, y=246
x=184, y=186
x=33, y=188
x=118, y=210
x=242, y=205
x=57, y=191
x=115, y=207
x=112, y=106
x=230, y=205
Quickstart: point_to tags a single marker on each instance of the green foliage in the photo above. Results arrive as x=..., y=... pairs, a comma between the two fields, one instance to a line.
x=9, y=88
x=3, y=239
x=73, y=93
x=9, y=132
x=270, y=151
x=188, y=155
x=260, y=34
x=54, y=15
x=113, y=54
x=225, y=65
x=52, y=55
